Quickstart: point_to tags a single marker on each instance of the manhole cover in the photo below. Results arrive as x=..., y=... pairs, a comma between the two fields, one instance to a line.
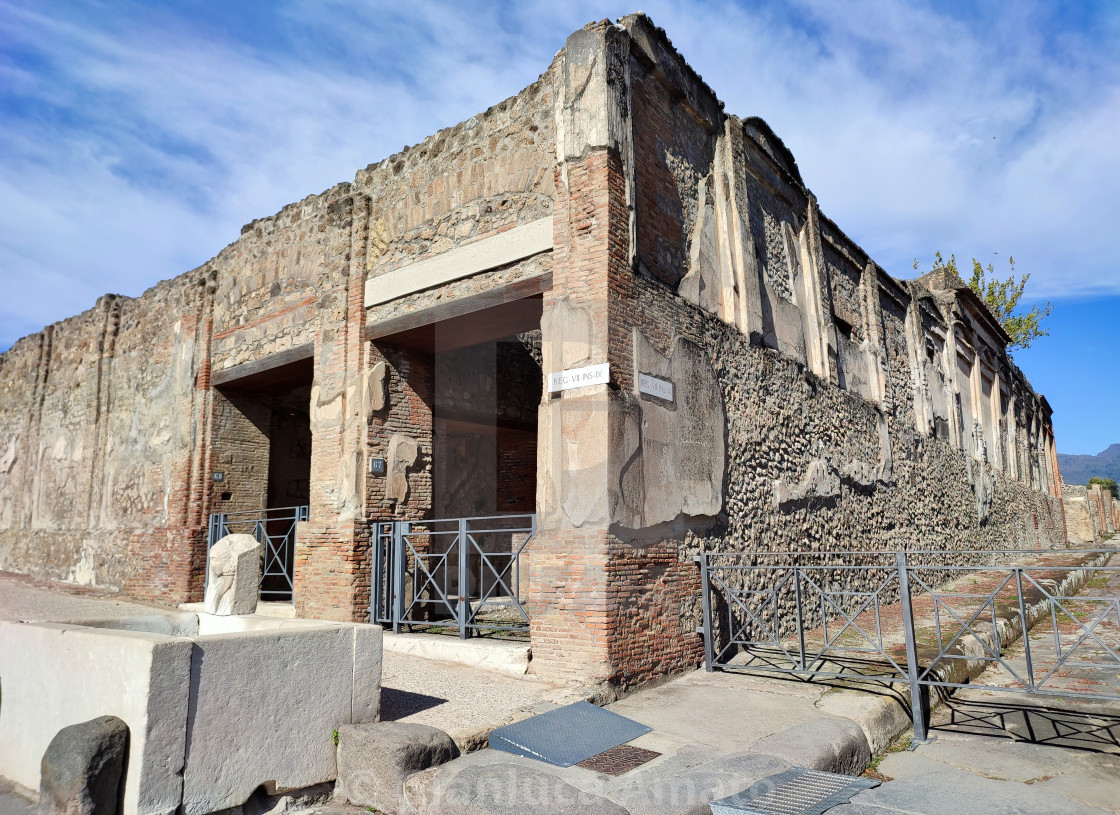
x=567, y=735
x=797, y=791
x=619, y=760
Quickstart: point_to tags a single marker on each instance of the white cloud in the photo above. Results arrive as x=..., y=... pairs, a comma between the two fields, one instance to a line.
x=133, y=148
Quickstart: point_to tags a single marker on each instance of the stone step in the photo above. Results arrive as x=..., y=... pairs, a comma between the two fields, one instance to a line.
x=504, y=657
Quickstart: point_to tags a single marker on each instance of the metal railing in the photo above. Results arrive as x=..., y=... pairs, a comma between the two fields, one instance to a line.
x=916, y=618
x=463, y=573
x=276, y=530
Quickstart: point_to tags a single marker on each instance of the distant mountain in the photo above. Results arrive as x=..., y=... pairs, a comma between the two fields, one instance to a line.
x=1079, y=469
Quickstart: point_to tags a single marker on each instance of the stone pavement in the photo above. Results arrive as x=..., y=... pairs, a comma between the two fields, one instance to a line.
x=28, y=598
x=465, y=702
x=13, y=801
x=996, y=753
x=716, y=734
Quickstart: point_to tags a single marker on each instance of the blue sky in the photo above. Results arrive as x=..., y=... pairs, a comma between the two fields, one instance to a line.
x=137, y=137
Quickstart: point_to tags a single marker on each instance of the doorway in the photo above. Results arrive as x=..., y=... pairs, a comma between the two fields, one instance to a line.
x=261, y=465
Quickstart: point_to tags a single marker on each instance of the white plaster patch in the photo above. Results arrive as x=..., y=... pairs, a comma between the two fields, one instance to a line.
x=83, y=572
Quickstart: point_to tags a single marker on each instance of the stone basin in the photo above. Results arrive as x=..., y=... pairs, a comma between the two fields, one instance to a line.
x=216, y=706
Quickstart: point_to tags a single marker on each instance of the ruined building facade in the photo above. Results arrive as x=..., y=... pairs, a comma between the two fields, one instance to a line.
x=766, y=386
x=1092, y=514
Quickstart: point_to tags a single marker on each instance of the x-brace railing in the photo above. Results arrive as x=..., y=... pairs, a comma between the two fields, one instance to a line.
x=757, y=636
x=444, y=569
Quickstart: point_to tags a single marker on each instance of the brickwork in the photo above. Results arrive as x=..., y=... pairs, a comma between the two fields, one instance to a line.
x=241, y=448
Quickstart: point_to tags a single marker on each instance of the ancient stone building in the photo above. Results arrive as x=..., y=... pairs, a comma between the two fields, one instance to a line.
x=1092, y=515
x=606, y=302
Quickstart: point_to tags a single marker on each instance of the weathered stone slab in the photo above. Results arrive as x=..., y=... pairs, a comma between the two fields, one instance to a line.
x=375, y=759
x=497, y=250
x=83, y=769
x=234, y=576
x=56, y=675
x=834, y=745
x=265, y=706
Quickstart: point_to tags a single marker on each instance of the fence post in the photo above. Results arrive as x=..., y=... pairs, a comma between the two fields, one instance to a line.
x=377, y=573
x=399, y=564
x=1026, y=629
x=800, y=618
x=706, y=602
x=919, y=694
x=464, y=579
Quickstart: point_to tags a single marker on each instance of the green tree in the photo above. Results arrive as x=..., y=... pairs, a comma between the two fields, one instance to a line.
x=1108, y=484
x=1002, y=297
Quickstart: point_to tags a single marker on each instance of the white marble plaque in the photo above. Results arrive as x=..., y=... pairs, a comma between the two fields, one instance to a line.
x=579, y=377
x=651, y=385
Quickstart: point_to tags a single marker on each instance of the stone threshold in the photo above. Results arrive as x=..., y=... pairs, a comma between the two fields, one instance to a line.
x=509, y=658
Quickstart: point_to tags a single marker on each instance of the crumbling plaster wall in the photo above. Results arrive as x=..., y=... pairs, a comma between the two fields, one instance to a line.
x=119, y=484
x=100, y=413
x=108, y=417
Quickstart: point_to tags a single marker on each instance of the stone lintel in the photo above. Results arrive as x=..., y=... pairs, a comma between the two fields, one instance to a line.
x=260, y=368
x=487, y=253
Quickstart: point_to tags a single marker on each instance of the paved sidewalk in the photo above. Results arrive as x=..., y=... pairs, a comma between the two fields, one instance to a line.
x=716, y=734
x=29, y=598
x=982, y=761
x=465, y=702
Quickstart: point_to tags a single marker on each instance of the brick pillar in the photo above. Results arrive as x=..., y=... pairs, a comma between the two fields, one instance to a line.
x=332, y=547
x=571, y=603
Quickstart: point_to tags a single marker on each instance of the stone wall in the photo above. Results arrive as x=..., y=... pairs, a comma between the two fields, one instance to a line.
x=1081, y=524
x=112, y=422
x=101, y=481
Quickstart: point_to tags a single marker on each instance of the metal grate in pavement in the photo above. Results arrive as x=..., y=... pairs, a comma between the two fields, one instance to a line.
x=618, y=760
x=797, y=791
x=567, y=735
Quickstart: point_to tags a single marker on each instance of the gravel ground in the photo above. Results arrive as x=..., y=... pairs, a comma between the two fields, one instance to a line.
x=466, y=702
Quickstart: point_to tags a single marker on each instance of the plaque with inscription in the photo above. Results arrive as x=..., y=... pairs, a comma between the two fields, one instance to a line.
x=652, y=386
x=579, y=377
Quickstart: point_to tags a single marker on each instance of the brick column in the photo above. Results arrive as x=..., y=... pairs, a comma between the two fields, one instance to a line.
x=572, y=604
x=332, y=547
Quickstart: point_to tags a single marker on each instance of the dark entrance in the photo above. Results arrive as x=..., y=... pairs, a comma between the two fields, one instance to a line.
x=459, y=567
x=262, y=449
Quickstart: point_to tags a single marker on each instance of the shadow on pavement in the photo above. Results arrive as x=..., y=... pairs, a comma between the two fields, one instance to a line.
x=1036, y=722
x=396, y=704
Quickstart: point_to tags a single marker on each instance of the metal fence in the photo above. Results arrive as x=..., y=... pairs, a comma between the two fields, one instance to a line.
x=462, y=573
x=276, y=530
x=916, y=618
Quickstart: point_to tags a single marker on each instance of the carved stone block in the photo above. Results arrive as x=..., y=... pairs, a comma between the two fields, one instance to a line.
x=234, y=576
